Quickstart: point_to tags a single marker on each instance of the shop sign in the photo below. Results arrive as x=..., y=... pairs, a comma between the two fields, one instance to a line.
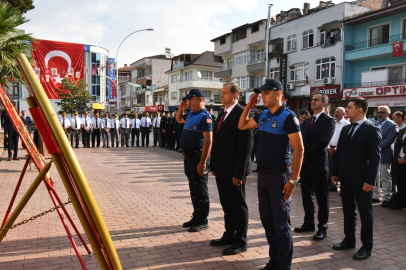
x=377, y=91
x=157, y=108
x=332, y=91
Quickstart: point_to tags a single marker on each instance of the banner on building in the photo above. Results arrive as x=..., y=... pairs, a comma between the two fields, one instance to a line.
x=397, y=49
x=283, y=75
x=55, y=60
x=157, y=108
x=332, y=91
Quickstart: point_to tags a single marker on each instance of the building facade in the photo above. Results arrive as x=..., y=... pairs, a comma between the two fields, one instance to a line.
x=375, y=59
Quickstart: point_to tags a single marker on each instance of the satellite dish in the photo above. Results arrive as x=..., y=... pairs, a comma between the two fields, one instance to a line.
x=199, y=74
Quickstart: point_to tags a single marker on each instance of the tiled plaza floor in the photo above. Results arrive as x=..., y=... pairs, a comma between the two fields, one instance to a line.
x=144, y=198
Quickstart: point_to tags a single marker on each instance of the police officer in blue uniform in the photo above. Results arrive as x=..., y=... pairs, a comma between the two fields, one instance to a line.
x=278, y=131
x=196, y=140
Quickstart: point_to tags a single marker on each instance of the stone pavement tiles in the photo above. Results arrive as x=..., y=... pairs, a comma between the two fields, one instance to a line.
x=144, y=198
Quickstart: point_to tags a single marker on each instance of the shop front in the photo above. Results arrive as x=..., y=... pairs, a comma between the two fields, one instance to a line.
x=333, y=93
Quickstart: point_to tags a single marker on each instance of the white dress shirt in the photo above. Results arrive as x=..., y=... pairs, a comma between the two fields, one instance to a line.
x=145, y=122
x=382, y=123
x=104, y=124
x=360, y=122
x=94, y=121
x=155, y=124
x=339, y=126
x=125, y=122
x=86, y=121
x=229, y=110
x=75, y=123
x=135, y=123
x=317, y=116
x=403, y=125
x=67, y=122
x=117, y=122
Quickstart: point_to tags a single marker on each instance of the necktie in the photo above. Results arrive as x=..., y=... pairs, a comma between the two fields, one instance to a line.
x=106, y=123
x=76, y=123
x=114, y=123
x=312, y=122
x=63, y=125
x=85, y=122
x=156, y=122
x=352, y=129
x=96, y=123
x=125, y=123
x=221, y=120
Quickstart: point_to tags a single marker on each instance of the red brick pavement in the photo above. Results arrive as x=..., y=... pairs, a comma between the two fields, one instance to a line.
x=144, y=198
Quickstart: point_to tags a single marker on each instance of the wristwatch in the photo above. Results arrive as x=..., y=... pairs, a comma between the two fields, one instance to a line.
x=294, y=182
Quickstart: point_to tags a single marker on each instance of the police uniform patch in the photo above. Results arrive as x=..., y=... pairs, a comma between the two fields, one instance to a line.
x=274, y=124
x=296, y=120
x=263, y=121
x=194, y=126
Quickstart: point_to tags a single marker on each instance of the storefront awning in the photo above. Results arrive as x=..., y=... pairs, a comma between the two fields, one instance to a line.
x=395, y=101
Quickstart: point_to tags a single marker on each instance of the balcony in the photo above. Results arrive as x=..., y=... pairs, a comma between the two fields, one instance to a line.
x=329, y=42
x=298, y=82
x=256, y=66
x=222, y=73
x=375, y=83
x=374, y=42
x=195, y=82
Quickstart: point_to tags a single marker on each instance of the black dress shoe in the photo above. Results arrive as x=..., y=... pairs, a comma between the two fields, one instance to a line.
x=188, y=224
x=362, y=254
x=234, y=250
x=198, y=227
x=385, y=204
x=221, y=242
x=305, y=228
x=255, y=170
x=344, y=245
x=320, y=235
x=375, y=200
x=269, y=266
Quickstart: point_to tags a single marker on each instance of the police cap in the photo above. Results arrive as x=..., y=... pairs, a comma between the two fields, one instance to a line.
x=270, y=84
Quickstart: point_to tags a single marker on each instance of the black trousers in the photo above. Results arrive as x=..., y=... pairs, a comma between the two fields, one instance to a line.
x=5, y=142
x=96, y=134
x=75, y=134
x=331, y=160
x=199, y=192
x=170, y=139
x=275, y=217
x=314, y=183
x=401, y=171
x=114, y=136
x=145, y=136
x=178, y=140
x=135, y=132
x=353, y=196
x=86, y=137
x=232, y=199
x=156, y=136
x=12, y=140
x=163, y=138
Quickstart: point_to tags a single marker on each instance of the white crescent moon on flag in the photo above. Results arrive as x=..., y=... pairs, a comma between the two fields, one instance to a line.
x=397, y=45
x=57, y=53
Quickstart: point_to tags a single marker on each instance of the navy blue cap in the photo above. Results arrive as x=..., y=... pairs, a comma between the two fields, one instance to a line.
x=194, y=93
x=270, y=84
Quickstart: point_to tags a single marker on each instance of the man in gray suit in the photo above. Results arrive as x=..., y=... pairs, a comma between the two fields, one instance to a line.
x=389, y=134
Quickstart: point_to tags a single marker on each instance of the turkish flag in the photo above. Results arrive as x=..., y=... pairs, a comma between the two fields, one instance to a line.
x=397, y=49
x=113, y=89
x=58, y=57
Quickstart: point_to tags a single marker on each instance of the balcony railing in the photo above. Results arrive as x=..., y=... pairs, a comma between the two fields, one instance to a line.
x=195, y=78
x=298, y=82
x=374, y=42
x=375, y=83
x=329, y=42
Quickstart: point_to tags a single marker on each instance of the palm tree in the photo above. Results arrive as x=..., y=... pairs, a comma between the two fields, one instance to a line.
x=12, y=42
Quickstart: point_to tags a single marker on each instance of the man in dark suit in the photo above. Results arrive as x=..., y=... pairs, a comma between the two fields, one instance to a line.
x=3, y=121
x=230, y=164
x=12, y=137
x=27, y=121
x=356, y=166
x=317, y=132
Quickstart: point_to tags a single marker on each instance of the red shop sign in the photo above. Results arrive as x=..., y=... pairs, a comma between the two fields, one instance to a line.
x=157, y=108
x=332, y=91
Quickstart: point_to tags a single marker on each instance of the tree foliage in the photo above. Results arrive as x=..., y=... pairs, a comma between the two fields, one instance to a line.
x=12, y=42
x=74, y=96
x=22, y=5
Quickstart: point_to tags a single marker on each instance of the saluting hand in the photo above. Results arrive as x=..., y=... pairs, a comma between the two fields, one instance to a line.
x=183, y=105
x=237, y=182
x=253, y=101
x=288, y=190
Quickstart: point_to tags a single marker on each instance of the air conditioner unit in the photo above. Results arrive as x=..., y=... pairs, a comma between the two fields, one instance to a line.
x=291, y=86
x=328, y=80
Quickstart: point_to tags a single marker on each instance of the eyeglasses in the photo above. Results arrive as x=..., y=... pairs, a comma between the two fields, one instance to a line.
x=316, y=99
x=382, y=112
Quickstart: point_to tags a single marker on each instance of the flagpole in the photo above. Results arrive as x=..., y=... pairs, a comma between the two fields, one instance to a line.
x=149, y=29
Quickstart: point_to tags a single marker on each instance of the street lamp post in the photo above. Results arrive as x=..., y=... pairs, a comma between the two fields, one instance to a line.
x=117, y=86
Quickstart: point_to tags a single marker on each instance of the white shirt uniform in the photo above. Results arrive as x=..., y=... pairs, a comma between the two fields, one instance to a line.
x=337, y=132
x=156, y=124
x=96, y=125
x=135, y=123
x=117, y=123
x=67, y=122
x=75, y=123
x=86, y=121
x=125, y=123
x=103, y=123
x=146, y=122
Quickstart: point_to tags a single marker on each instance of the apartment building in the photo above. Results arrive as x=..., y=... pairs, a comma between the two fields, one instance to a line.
x=124, y=75
x=243, y=54
x=188, y=71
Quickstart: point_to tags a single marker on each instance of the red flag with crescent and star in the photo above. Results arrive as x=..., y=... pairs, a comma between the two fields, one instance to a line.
x=55, y=60
x=397, y=49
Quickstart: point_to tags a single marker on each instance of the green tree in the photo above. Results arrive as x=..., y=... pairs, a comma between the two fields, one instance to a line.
x=22, y=5
x=74, y=96
x=12, y=42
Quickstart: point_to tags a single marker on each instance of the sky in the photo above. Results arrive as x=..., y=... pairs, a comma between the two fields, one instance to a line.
x=185, y=26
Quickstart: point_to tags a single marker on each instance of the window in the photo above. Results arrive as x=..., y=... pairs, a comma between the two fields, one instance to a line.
x=299, y=72
x=274, y=73
x=206, y=93
x=259, y=81
x=149, y=99
x=325, y=68
x=261, y=55
x=292, y=41
x=243, y=82
x=379, y=35
x=173, y=95
x=188, y=76
x=241, y=58
x=206, y=75
x=255, y=28
x=404, y=29
x=239, y=34
x=174, y=78
x=230, y=62
x=95, y=77
x=396, y=73
x=222, y=40
x=150, y=70
x=134, y=74
x=308, y=39
x=140, y=73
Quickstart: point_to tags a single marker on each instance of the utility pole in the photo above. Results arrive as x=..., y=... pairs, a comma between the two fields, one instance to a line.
x=268, y=23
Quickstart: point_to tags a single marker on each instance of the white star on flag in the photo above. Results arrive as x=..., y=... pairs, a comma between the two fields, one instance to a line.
x=58, y=79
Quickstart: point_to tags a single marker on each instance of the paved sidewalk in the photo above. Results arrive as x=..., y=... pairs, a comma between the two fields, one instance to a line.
x=144, y=198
